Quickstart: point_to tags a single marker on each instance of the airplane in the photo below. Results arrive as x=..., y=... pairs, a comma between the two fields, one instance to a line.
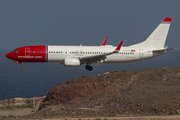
x=74, y=56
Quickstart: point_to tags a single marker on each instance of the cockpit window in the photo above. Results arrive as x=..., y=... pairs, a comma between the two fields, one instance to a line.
x=16, y=51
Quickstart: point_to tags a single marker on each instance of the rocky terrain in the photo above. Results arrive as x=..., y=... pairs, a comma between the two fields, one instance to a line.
x=130, y=93
x=21, y=103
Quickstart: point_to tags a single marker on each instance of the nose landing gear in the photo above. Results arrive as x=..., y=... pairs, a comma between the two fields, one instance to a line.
x=22, y=66
x=88, y=67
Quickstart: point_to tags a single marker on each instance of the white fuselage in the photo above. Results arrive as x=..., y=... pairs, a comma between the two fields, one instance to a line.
x=126, y=54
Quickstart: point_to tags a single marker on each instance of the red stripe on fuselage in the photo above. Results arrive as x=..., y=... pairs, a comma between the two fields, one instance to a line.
x=29, y=54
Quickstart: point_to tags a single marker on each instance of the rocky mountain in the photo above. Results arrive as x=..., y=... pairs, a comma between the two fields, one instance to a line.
x=146, y=92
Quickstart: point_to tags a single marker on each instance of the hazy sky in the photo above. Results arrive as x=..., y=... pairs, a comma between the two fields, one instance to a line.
x=86, y=22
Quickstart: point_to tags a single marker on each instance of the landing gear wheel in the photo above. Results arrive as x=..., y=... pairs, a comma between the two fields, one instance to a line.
x=22, y=66
x=88, y=67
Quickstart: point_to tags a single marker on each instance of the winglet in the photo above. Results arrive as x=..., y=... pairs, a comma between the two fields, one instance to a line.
x=104, y=42
x=167, y=19
x=118, y=47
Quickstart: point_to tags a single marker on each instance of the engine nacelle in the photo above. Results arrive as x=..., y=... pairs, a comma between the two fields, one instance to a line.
x=72, y=62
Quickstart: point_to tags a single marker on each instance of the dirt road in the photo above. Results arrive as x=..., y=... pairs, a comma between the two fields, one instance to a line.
x=26, y=112
x=15, y=112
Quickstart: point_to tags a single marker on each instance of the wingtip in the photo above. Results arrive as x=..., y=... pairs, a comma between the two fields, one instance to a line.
x=119, y=46
x=104, y=42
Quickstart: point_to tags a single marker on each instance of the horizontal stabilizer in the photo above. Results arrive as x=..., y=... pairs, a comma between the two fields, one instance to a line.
x=165, y=49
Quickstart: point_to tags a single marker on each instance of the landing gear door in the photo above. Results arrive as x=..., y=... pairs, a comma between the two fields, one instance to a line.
x=141, y=53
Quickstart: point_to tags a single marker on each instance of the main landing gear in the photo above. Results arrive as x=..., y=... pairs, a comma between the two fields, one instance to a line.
x=88, y=67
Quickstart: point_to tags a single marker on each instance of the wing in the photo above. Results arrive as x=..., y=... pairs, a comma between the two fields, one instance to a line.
x=99, y=58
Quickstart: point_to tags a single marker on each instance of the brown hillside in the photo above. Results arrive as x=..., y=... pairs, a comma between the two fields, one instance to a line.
x=145, y=92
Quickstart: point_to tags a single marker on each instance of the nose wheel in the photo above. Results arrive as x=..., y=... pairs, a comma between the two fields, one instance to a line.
x=88, y=67
x=22, y=66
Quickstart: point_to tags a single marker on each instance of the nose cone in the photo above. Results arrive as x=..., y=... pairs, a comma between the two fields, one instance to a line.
x=9, y=55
